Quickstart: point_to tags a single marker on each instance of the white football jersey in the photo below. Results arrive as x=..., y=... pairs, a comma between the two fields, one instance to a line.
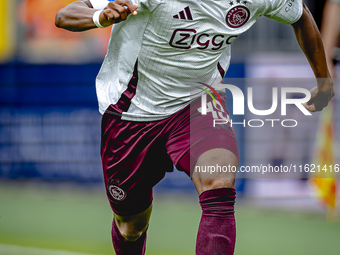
x=153, y=58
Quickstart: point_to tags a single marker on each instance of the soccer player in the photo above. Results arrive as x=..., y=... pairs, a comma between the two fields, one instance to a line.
x=158, y=49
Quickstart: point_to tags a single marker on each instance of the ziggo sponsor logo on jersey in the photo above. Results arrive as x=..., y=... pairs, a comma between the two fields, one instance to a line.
x=185, y=38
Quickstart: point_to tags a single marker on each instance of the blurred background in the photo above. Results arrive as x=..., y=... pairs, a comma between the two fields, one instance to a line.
x=52, y=199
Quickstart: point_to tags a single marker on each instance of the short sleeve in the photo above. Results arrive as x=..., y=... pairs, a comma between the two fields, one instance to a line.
x=284, y=11
x=150, y=4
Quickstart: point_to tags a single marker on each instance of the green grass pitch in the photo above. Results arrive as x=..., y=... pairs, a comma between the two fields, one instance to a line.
x=78, y=219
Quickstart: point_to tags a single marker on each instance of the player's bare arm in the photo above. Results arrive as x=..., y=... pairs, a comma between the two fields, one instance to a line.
x=309, y=39
x=78, y=16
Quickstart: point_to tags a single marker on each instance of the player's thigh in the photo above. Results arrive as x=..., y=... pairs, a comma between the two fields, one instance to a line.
x=215, y=168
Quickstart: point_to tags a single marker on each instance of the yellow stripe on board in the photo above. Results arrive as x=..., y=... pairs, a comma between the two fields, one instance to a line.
x=7, y=25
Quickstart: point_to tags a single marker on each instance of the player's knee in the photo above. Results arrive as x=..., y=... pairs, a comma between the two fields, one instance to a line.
x=132, y=236
x=131, y=231
x=132, y=227
x=217, y=170
x=218, y=157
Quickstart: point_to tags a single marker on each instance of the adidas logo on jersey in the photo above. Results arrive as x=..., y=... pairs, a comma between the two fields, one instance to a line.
x=182, y=14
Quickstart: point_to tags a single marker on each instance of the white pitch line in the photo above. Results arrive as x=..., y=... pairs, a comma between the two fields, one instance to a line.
x=22, y=250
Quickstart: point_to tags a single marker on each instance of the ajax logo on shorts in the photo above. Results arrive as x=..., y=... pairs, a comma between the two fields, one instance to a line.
x=237, y=16
x=116, y=192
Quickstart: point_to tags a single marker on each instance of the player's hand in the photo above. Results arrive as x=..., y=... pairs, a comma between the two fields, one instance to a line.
x=320, y=95
x=116, y=12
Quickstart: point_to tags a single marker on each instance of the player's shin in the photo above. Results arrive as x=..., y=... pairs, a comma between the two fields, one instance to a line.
x=124, y=247
x=217, y=230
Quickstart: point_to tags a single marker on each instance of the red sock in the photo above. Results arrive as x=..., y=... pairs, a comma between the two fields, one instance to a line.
x=217, y=230
x=124, y=247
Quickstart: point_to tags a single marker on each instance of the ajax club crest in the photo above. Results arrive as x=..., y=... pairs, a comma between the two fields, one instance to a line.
x=117, y=193
x=237, y=16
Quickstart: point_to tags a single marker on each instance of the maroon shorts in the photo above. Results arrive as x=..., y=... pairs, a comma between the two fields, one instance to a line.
x=136, y=155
